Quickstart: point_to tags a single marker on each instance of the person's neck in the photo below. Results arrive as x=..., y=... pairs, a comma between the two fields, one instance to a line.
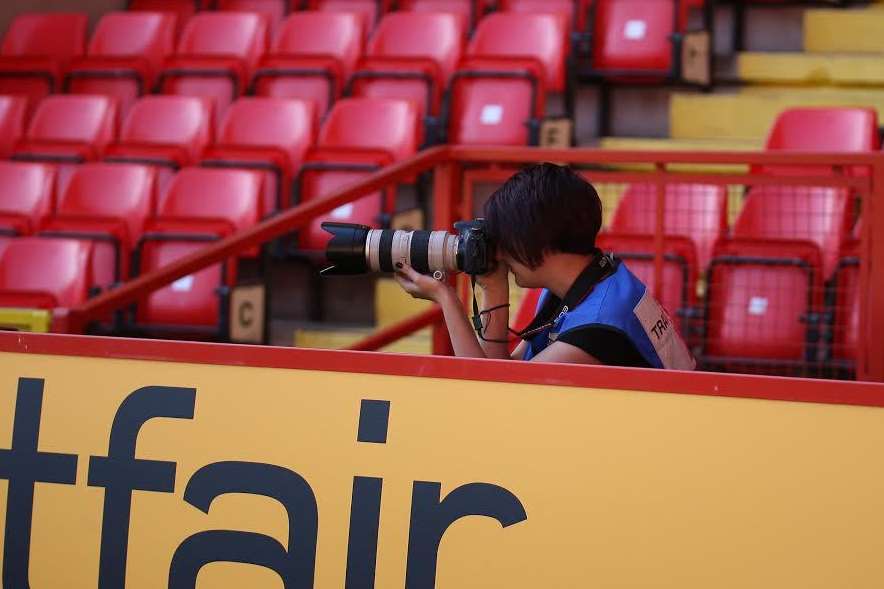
x=562, y=270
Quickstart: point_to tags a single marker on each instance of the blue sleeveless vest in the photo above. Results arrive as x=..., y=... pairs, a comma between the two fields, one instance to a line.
x=622, y=302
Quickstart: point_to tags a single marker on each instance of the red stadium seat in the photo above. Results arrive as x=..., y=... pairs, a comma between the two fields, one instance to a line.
x=411, y=56
x=124, y=56
x=696, y=211
x=209, y=201
x=817, y=214
x=215, y=57
x=201, y=205
x=634, y=38
x=381, y=124
x=70, y=128
x=273, y=10
x=360, y=136
x=193, y=304
x=313, y=56
x=43, y=273
x=831, y=129
x=26, y=194
x=763, y=302
x=166, y=131
x=107, y=204
x=270, y=134
x=678, y=294
x=37, y=50
x=498, y=94
x=823, y=129
x=13, y=117
x=539, y=37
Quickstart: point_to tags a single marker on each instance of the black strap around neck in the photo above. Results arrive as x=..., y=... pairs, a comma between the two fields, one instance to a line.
x=601, y=266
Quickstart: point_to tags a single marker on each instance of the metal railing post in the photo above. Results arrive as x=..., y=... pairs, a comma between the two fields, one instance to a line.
x=870, y=355
x=445, y=213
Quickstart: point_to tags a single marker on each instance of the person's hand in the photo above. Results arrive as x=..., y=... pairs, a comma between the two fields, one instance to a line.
x=421, y=286
x=496, y=280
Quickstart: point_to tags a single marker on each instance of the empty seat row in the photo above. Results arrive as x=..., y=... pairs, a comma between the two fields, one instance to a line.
x=370, y=11
x=781, y=282
x=498, y=83
x=111, y=223
x=274, y=137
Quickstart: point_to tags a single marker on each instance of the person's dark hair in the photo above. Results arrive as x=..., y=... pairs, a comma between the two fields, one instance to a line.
x=544, y=208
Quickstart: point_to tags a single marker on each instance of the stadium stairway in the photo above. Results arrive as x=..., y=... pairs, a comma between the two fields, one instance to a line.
x=842, y=64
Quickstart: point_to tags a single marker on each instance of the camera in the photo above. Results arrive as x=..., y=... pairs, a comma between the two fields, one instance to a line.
x=358, y=249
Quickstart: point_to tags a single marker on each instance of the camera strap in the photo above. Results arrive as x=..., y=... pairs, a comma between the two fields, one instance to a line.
x=601, y=267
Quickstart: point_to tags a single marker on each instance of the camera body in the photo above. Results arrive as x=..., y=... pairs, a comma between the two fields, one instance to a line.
x=474, y=251
x=359, y=249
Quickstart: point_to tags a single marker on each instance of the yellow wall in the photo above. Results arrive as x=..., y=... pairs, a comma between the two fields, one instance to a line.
x=620, y=489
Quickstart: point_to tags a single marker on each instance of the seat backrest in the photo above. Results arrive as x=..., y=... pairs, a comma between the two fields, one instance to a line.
x=543, y=37
x=828, y=129
x=148, y=35
x=123, y=193
x=26, y=192
x=75, y=119
x=57, y=35
x=242, y=35
x=335, y=34
x=372, y=123
x=634, y=35
x=13, y=114
x=281, y=123
x=57, y=269
x=755, y=305
x=195, y=194
x=184, y=121
x=438, y=37
x=696, y=211
x=812, y=213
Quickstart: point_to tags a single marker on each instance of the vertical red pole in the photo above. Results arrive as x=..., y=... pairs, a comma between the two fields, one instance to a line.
x=445, y=203
x=660, y=227
x=870, y=356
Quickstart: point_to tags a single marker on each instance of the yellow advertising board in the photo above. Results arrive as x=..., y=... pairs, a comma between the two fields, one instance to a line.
x=150, y=464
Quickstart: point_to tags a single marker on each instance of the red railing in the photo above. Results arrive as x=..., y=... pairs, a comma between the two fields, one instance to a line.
x=458, y=169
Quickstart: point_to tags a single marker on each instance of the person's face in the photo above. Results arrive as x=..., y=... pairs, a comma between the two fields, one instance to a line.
x=525, y=276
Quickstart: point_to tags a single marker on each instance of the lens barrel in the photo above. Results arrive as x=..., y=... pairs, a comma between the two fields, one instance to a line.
x=357, y=249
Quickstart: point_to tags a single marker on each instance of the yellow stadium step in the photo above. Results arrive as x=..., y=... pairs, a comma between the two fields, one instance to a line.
x=812, y=69
x=34, y=320
x=668, y=144
x=830, y=30
x=328, y=338
x=750, y=113
x=392, y=304
x=664, y=144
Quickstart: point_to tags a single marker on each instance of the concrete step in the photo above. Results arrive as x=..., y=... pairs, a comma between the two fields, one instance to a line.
x=831, y=30
x=669, y=144
x=337, y=338
x=749, y=113
x=812, y=69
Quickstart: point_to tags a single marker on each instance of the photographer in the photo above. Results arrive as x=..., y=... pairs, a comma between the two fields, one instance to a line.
x=543, y=223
